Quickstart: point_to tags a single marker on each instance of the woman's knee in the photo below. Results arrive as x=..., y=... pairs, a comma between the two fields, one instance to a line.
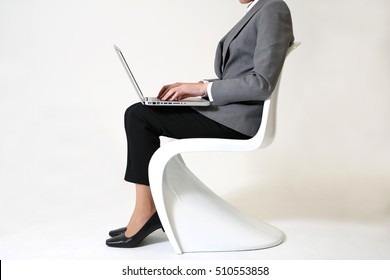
x=133, y=112
x=139, y=115
x=132, y=108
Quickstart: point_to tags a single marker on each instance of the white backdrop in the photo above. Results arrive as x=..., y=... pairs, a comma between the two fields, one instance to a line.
x=63, y=93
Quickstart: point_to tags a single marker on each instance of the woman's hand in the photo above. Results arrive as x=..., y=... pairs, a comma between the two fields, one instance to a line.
x=179, y=91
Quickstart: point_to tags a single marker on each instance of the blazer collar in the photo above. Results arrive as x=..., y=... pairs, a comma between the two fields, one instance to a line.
x=240, y=25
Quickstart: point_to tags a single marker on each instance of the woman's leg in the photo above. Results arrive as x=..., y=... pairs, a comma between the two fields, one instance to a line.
x=143, y=210
x=144, y=125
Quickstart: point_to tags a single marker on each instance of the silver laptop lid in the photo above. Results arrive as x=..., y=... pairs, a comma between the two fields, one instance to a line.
x=154, y=101
x=131, y=76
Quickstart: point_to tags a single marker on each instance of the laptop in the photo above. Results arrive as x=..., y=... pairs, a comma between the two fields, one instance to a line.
x=154, y=101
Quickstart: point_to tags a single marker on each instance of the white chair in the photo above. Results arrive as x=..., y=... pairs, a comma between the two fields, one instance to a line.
x=194, y=218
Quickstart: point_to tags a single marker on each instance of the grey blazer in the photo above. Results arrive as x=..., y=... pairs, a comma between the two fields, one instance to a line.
x=248, y=62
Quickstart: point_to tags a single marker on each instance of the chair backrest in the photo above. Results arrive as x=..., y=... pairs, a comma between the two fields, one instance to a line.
x=266, y=133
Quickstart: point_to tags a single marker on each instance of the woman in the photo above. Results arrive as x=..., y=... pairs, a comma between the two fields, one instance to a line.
x=248, y=63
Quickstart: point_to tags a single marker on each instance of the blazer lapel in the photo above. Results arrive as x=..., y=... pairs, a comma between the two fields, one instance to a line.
x=238, y=27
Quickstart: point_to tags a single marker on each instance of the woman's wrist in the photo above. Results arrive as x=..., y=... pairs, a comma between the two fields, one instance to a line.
x=204, y=87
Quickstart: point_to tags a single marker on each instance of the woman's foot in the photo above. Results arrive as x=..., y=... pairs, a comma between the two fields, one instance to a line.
x=116, y=232
x=138, y=220
x=143, y=221
x=122, y=241
x=134, y=223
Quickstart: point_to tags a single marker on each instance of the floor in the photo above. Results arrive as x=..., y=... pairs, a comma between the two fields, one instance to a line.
x=79, y=234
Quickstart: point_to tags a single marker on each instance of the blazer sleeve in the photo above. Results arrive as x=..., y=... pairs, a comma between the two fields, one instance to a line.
x=274, y=36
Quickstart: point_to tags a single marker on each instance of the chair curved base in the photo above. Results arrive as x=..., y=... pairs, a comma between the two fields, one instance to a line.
x=198, y=220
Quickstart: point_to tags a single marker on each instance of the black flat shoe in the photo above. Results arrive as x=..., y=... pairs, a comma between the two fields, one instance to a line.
x=117, y=232
x=122, y=241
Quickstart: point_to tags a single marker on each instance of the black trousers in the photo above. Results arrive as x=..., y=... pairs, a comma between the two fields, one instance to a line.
x=145, y=124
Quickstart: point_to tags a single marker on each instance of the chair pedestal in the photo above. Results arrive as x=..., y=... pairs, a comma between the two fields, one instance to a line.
x=195, y=219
